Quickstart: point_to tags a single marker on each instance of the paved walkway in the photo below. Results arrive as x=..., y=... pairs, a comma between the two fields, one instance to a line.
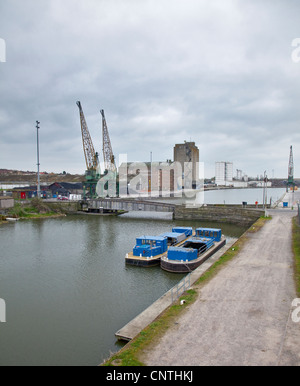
x=243, y=315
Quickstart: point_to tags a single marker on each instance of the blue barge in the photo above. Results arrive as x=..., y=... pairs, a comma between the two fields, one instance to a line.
x=149, y=250
x=194, y=251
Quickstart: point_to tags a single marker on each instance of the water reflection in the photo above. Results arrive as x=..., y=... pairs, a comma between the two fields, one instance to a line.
x=68, y=290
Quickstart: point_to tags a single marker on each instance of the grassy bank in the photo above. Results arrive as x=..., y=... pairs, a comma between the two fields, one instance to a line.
x=35, y=209
x=2, y=220
x=296, y=250
x=131, y=354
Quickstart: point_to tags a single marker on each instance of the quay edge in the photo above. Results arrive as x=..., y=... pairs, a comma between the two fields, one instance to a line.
x=222, y=214
x=235, y=214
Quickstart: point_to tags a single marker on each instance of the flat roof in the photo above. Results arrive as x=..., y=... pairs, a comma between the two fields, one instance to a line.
x=172, y=234
x=198, y=240
x=155, y=238
x=182, y=227
x=209, y=229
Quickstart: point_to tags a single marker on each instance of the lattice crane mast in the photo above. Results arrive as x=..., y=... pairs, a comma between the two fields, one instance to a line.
x=109, y=158
x=91, y=157
x=92, y=173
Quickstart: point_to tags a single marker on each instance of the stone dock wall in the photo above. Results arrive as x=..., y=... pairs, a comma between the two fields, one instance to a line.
x=226, y=214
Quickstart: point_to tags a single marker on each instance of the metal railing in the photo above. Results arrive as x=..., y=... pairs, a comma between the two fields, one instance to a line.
x=205, y=247
x=181, y=287
x=185, y=283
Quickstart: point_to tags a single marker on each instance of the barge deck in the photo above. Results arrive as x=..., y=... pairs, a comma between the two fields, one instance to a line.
x=149, y=250
x=189, y=266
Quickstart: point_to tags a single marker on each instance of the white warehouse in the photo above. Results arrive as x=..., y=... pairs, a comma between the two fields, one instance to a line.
x=224, y=173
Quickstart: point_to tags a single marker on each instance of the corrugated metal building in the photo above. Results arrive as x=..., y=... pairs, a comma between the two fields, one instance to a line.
x=6, y=202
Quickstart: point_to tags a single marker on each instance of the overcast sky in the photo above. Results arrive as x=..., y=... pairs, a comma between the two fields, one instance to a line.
x=217, y=72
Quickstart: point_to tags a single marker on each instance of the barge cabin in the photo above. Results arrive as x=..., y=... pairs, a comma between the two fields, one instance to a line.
x=187, y=230
x=211, y=233
x=173, y=238
x=150, y=246
x=149, y=250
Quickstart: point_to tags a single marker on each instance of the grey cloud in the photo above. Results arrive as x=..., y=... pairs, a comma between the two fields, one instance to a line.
x=217, y=72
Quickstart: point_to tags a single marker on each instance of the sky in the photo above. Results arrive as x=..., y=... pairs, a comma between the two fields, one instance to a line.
x=224, y=74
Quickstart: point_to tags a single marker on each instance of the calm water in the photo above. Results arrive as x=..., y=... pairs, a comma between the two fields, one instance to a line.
x=68, y=290
x=230, y=196
x=237, y=196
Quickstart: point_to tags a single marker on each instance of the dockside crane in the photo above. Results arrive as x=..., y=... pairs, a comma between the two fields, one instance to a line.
x=92, y=173
x=108, y=155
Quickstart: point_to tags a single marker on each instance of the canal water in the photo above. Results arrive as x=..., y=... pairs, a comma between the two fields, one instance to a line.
x=238, y=196
x=67, y=288
x=229, y=196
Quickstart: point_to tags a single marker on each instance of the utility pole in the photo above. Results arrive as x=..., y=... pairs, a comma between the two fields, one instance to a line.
x=291, y=172
x=38, y=161
x=264, y=199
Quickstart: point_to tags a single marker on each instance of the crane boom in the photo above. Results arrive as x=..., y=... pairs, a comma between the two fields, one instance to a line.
x=91, y=157
x=109, y=158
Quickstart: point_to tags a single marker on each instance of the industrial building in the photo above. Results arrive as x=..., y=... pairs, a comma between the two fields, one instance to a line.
x=224, y=173
x=161, y=178
x=188, y=152
x=48, y=191
x=6, y=203
x=145, y=177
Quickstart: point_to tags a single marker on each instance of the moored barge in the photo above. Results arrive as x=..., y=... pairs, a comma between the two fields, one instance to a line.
x=149, y=250
x=193, y=252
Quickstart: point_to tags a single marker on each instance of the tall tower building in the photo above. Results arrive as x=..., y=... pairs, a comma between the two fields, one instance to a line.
x=188, y=152
x=224, y=173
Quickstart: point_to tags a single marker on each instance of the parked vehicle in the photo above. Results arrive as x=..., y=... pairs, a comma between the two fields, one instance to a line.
x=63, y=198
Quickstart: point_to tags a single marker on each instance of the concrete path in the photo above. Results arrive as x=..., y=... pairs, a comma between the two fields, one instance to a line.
x=243, y=315
x=135, y=326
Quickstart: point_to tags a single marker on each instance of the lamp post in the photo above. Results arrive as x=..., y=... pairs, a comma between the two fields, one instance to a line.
x=38, y=161
x=265, y=193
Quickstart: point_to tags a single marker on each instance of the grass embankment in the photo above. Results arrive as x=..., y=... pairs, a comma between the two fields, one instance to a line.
x=36, y=209
x=2, y=219
x=296, y=250
x=130, y=355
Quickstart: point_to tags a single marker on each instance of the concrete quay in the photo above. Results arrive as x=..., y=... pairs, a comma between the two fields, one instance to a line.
x=243, y=316
x=221, y=213
x=135, y=326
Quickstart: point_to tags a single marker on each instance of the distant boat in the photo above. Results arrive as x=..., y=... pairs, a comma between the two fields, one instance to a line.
x=12, y=219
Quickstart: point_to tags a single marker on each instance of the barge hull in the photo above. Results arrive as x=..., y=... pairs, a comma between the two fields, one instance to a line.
x=143, y=262
x=186, y=267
